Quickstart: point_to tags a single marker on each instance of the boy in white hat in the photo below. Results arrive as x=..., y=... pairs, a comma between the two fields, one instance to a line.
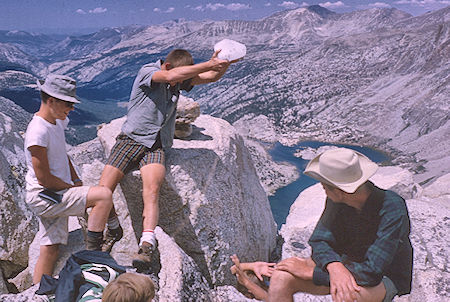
x=54, y=190
x=360, y=247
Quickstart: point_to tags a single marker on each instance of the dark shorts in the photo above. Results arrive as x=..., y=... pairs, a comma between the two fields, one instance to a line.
x=127, y=154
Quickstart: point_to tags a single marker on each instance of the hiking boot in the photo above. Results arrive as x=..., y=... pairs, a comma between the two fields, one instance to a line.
x=142, y=260
x=111, y=237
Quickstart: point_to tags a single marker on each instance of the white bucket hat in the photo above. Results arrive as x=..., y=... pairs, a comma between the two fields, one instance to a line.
x=342, y=168
x=60, y=87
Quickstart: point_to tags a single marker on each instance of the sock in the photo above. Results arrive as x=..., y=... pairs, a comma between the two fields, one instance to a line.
x=113, y=223
x=148, y=236
x=94, y=240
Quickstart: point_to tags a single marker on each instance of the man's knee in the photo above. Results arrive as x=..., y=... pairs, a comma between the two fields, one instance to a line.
x=152, y=188
x=99, y=196
x=282, y=279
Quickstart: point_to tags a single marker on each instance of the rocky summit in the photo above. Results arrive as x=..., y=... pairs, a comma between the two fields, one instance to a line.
x=377, y=77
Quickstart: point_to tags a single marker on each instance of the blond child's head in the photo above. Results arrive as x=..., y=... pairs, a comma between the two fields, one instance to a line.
x=130, y=287
x=179, y=57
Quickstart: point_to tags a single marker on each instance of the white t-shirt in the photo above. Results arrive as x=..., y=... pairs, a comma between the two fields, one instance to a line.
x=45, y=134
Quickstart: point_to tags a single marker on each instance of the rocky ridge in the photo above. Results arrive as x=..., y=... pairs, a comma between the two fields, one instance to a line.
x=205, y=217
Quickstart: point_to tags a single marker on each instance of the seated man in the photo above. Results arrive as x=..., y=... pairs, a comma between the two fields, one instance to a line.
x=360, y=247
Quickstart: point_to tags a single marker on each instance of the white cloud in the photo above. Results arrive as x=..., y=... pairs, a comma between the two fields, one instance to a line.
x=268, y=4
x=332, y=4
x=216, y=6
x=98, y=10
x=423, y=2
x=80, y=11
x=289, y=4
x=237, y=6
x=379, y=5
x=156, y=10
x=304, y=4
x=170, y=10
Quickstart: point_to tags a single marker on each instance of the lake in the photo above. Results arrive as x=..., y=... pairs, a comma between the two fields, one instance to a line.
x=284, y=197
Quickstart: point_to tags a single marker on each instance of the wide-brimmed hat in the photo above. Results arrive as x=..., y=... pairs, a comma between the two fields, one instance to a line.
x=59, y=86
x=342, y=168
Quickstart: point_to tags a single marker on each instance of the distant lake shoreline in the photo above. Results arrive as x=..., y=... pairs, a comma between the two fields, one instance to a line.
x=284, y=197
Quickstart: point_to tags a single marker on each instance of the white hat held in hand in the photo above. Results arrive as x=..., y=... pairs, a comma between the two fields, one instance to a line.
x=60, y=87
x=343, y=168
x=230, y=50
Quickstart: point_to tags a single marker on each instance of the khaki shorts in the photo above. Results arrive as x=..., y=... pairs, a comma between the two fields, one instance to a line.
x=54, y=218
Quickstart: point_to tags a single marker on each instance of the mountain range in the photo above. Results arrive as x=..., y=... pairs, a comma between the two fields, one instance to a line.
x=378, y=77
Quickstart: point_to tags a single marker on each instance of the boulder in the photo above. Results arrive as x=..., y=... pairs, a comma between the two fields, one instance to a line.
x=429, y=214
x=211, y=203
x=179, y=278
x=25, y=296
x=17, y=224
x=187, y=111
x=228, y=293
x=259, y=135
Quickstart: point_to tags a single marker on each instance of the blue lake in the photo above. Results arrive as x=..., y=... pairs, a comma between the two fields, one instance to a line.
x=284, y=197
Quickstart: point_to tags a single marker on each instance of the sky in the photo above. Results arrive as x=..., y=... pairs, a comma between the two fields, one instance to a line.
x=51, y=16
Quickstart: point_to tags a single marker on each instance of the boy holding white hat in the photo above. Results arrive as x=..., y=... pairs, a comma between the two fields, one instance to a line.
x=149, y=130
x=360, y=247
x=54, y=190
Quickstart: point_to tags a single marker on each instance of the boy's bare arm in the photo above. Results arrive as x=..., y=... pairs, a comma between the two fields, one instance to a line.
x=181, y=73
x=41, y=168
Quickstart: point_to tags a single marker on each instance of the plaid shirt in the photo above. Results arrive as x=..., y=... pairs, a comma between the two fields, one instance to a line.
x=371, y=243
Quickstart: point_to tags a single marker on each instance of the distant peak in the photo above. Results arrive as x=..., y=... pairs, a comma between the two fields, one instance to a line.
x=321, y=11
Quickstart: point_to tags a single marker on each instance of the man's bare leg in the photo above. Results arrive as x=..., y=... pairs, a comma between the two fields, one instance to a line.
x=110, y=177
x=100, y=200
x=283, y=285
x=152, y=179
x=48, y=254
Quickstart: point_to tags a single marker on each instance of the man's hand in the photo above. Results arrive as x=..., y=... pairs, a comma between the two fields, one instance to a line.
x=217, y=64
x=263, y=269
x=343, y=287
x=237, y=270
x=299, y=267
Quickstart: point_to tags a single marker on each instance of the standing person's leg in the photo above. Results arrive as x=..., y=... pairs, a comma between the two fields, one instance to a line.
x=110, y=177
x=152, y=179
x=153, y=172
x=100, y=200
x=48, y=254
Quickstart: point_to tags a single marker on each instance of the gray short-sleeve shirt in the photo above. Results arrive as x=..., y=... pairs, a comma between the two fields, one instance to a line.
x=152, y=108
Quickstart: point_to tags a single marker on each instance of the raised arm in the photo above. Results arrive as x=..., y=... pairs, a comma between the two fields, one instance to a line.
x=213, y=75
x=181, y=73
